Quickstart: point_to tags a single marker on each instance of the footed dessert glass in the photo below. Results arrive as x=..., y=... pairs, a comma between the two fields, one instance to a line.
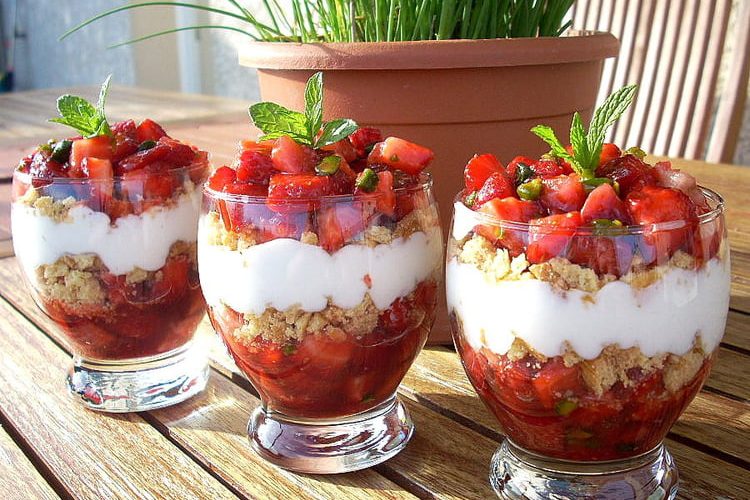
x=587, y=344
x=323, y=304
x=112, y=261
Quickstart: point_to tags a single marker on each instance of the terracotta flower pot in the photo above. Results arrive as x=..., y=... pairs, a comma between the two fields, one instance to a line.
x=458, y=97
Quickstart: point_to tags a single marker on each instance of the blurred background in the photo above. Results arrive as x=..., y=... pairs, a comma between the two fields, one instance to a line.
x=194, y=61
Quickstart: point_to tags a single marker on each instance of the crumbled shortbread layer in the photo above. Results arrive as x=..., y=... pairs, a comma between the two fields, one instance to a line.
x=78, y=279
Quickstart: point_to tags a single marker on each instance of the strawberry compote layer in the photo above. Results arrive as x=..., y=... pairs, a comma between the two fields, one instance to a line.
x=323, y=297
x=587, y=317
x=105, y=232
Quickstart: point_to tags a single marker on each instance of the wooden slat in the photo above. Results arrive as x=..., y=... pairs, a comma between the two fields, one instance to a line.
x=224, y=408
x=18, y=477
x=84, y=450
x=731, y=374
x=738, y=330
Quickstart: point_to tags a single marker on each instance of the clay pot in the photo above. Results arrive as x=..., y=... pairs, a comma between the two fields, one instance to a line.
x=458, y=97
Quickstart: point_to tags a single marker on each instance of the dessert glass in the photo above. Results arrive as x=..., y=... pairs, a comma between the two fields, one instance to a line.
x=324, y=305
x=115, y=267
x=587, y=366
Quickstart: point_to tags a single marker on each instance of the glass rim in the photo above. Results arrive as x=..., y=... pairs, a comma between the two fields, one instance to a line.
x=713, y=197
x=27, y=178
x=424, y=184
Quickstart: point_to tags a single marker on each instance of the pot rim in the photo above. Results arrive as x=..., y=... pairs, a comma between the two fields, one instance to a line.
x=576, y=46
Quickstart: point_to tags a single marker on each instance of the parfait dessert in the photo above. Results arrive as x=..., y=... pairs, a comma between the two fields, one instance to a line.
x=104, y=228
x=320, y=256
x=588, y=292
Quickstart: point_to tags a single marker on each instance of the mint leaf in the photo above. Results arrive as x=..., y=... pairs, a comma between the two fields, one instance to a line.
x=580, y=145
x=76, y=112
x=548, y=135
x=336, y=130
x=276, y=120
x=605, y=116
x=314, y=104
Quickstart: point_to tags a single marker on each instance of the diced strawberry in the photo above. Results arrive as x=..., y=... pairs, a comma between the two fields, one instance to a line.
x=254, y=167
x=514, y=164
x=479, y=169
x=630, y=173
x=555, y=380
x=654, y=205
x=551, y=167
x=401, y=155
x=609, y=153
x=97, y=168
x=166, y=150
x=564, y=193
x=124, y=147
x=324, y=354
x=343, y=180
x=96, y=147
x=363, y=138
x=338, y=223
x=149, y=130
x=604, y=254
x=343, y=148
x=386, y=197
x=158, y=186
x=677, y=179
x=603, y=203
x=41, y=166
x=498, y=185
x=263, y=147
x=551, y=236
x=247, y=189
x=285, y=188
x=291, y=157
x=222, y=177
x=508, y=209
x=125, y=129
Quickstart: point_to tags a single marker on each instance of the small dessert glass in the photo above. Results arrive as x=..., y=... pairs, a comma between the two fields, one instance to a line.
x=589, y=356
x=323, y=304
x=114, y=265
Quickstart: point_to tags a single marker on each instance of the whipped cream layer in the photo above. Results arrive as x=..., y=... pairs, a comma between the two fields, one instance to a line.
x=664, y=317
x=285, y=272
x=132, y=241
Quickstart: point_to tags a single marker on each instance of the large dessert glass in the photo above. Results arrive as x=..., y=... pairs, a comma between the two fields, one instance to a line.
x=113, y=263
x=590, y=352
x=324, y=304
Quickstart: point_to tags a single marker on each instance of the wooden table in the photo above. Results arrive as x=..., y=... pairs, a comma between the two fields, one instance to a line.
x=50, y=446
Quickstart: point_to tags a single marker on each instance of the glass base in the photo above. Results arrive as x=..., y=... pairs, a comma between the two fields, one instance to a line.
x=331, y=446
x=139, y=385
x=518, y=474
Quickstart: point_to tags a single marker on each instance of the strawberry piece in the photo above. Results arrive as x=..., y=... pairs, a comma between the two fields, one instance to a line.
x=551, y=167
x=343, y=148
x=508, y=209
x=254, y=167
x=222, y=177
x=363, y=139
x=555, y=380
x=263, y=147
x=609, y=153
x=401, y=155
x=479, y=169
x=603, y=203
x=677, y=179
x=515, y=164
x=338, y=223
x=291, y=157
x=564, y=193
x=125, y=129
x=498, y=185
x=630, y=173
x=284, y=189
x=551, y=236
x=343, y=180
x=97, y=168
x=166, y=150
x=386, y=197
x=158, y=186
x=96, y=147
x=605, y=255
x=246, y=189
x=149, y=130
x=654, y=205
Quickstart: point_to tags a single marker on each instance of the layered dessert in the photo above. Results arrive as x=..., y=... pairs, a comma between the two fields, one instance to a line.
x=320, y=266
x=104, y=228
x=587, y=297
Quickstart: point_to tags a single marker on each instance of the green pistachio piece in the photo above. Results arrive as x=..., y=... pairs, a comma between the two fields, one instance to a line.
x=636, y=151
x=329, y=166
x=367, y=180
x=523, y=173
x=61, y=151
x=565, y=407
x=530, y=190
x=471, y=199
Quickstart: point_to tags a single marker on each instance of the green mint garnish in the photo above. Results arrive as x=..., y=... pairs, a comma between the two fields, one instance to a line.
x=530, y=190
x=78, y=113
x=329, y=165
x=276, y=120
x=587, y=146
x=367, y=180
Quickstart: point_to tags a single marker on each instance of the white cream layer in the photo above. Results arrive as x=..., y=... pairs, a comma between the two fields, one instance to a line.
x=662, y=318
x=285, y=272
x=132, y=241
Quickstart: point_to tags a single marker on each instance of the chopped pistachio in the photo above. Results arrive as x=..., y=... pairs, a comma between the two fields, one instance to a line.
x=367, y=180
x=530, y=190
x=329, y=165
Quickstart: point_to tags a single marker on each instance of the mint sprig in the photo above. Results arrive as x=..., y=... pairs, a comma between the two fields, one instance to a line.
x=587, y=146
x=76, y=112
x=275, y=120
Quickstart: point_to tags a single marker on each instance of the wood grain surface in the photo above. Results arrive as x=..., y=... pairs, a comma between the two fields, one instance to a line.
x=19, y=476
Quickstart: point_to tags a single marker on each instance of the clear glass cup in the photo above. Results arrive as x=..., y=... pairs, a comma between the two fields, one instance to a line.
x=323, y=304
x=587, y=344
x=113, y=263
